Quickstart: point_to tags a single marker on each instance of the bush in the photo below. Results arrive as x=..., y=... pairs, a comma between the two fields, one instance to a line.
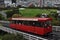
x=38, y=15
x=16, y=15
x=10, y=13
x=2, y=17
x=13, y=37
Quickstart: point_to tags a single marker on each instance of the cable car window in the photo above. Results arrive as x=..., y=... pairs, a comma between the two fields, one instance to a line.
x=10, y=21
x=20, y=22
x=36, y=23
x=13, y=21
x=47, y=23
x=26, y=23
x=39, y=24
x=29, y=23
x=17, y=21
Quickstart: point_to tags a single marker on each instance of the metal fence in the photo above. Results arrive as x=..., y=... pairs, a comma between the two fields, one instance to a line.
x=25, y=35
x=56, y=28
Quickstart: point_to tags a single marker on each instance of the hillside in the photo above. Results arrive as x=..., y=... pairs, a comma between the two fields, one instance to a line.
x=33, y=12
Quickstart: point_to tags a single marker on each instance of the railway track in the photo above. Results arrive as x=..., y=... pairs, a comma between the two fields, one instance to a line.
x=53, y=36
x=29, y=36
x=25, y=35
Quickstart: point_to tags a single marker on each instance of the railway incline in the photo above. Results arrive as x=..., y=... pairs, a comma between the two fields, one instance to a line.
x=55, y=35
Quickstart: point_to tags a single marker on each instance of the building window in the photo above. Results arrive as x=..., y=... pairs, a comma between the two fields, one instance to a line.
x=13, y=1
x=23, y=0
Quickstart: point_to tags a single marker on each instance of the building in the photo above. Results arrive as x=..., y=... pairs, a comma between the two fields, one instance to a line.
x=2, y=4
x=37, y=3
x=23, y=2
x=26, y=2
x=41, y=3
x=52, y=3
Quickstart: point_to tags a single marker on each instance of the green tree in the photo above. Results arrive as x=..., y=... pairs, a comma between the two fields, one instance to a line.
x=1, y=17
x=11, y=13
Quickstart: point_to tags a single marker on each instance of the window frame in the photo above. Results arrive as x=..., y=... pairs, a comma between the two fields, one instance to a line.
x=28, y=23
x=47, y=23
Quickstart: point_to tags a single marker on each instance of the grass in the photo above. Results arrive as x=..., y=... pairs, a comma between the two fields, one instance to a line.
x=0, y=24
x=0, y=39
x=33, y=12
x=29, y=12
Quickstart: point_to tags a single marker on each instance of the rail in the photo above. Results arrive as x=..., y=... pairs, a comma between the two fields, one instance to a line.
x=56, y=28
x=25, y=35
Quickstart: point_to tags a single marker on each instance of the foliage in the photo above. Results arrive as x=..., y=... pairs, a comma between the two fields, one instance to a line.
x=38, y=15
x=16, y=15
x=1, y=17
x=13, y=37
x=10, y=13
x=28, y=12
x=52, y=13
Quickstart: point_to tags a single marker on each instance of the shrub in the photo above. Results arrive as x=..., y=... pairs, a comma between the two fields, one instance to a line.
x=16, y=15
x=10, y=13
x=2, y=17
x=13, y=37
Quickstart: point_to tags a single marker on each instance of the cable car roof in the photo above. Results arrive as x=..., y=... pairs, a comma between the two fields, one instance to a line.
x=32, y=19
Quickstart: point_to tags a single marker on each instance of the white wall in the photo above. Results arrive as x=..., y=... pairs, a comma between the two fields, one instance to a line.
x=52, y=2
x=7, y=2
x=19, y=2
x=39, y=2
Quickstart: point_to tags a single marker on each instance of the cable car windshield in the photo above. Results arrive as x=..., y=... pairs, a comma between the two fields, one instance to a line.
x=47, y=23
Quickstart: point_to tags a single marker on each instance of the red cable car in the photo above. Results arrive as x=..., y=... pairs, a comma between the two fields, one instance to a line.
x=40, y=26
